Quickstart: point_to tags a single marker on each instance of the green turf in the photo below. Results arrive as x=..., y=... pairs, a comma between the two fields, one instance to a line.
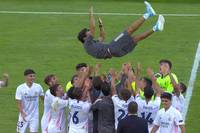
x=48, y=44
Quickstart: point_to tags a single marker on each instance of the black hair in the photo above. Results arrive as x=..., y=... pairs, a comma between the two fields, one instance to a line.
x=132, y=107
x=82, y=35
x=97, y=82
x=70, y=93
x=28, y=71
x=183, y=87
x=105, y=88
x=125, y=94
x=166, y=95
x=77, y=93
x=148, y=81
x=48, y=78
x=148, y=92
x=80, y=65
x=166, y=61
x=73, y=77
x=53, y=89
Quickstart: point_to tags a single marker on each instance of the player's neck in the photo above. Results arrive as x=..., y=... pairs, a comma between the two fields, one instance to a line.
x=29, y=84
x=147, y=100
x=166, y=108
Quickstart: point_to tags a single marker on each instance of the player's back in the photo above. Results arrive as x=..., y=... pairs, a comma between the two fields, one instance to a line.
x=120, y=108
x=148, y=110
x=79, y=111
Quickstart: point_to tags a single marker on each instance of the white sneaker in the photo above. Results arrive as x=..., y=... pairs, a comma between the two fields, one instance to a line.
x=149, y=9
x=159, y=24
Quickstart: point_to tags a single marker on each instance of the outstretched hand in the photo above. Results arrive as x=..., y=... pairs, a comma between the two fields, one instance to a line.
x=100, y=22
x=150, y=72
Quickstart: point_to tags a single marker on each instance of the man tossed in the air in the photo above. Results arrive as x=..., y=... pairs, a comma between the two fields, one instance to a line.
x=123, y=43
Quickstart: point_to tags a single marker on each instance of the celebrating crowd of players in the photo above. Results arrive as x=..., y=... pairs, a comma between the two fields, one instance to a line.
x=122, y=102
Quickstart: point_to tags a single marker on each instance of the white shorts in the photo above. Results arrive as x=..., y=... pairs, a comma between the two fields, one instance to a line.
x=23, y=125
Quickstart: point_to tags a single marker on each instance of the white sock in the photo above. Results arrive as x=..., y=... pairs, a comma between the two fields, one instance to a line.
x=154, y=28
x=146, y=16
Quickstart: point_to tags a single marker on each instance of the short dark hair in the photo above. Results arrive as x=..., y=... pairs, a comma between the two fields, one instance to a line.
x=183, y=87
x=80, y=65
x=82, y=35
x=148, y=92
x=132, y=107
x=166, y=95
x=53, y=89
x=148, y=81
x=166, y=61
x=70, y=93
x=29, y=71
x=105, y=88
x=77, y=93
x=73, y=77
x=48, y=78
x=97, y=82
x=125, y=94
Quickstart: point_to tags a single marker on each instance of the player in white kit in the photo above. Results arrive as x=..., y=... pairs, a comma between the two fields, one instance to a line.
x=57, y=123
x=148, y=108
x=50, y=80
x=168, y=118
x=120, y=101
x=27, y=98
x=79, y=110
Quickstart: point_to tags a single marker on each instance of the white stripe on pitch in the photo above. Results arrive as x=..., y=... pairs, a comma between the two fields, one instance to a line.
x=192, y=81
x=84, y=13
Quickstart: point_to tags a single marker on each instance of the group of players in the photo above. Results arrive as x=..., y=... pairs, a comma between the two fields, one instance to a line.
x=100, y=103
x=106, y=103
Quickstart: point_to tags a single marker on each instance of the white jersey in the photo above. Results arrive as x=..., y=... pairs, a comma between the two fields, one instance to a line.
x=178, y=102
x=169, y=120
x=148, y=110
x=79, y=111
x=29, y=97
x=48, y=99
x=57, y=122
x=120, y=108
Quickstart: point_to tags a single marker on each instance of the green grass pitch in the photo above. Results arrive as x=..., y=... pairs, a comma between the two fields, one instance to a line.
x=48, y=44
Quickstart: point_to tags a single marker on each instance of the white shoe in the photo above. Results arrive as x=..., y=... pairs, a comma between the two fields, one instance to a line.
x=160, y=24
x=149, y=9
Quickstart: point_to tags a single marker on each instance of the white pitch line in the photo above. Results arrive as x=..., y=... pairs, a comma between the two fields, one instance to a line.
x=192, y=81
x=85, y=13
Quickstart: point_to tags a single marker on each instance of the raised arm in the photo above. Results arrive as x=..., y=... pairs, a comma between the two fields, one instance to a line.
x=114, y=77
x=97, y=67
x=175, y=84
x=102, y=31
x=82, y=76
x=155, y=85
x=92, y=21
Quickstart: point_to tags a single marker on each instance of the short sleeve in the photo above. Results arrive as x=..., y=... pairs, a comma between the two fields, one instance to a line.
x=115, y=99
x=18, y=95
x=41, y=92
x=178, y=119
x=157, y=101
x=157, y=120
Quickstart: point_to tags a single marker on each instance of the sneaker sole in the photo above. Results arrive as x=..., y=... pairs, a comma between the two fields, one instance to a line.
x=161, y=20
x=149, y=5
